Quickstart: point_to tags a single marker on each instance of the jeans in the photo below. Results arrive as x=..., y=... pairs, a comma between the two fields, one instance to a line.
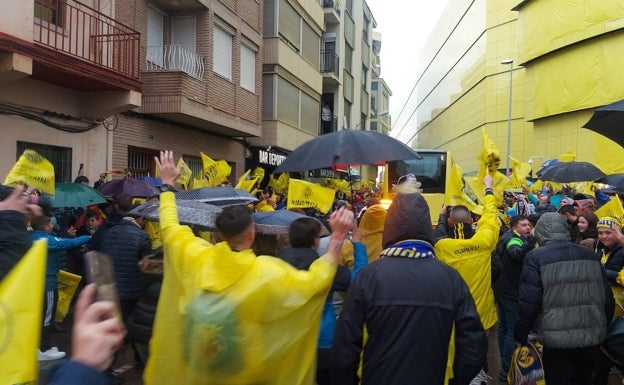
x=507, y=318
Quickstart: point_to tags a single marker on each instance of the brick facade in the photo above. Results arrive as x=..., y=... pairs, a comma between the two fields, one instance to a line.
x=182, y=98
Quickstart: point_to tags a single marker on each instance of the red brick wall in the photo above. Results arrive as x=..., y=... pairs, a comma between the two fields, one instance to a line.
x=137, y=132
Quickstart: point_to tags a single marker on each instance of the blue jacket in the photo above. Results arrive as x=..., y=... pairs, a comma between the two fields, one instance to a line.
x=56, y=247
x=76, y=373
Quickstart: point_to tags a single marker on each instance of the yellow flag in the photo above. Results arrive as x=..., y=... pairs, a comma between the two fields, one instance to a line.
x=21, y=304
x=567, y=156
x=519, y=173
x=302, y=194
x=455, y=194
x=215, y=171
x=33, y=170
x=67, y=285
x=258, y=173
x=246, y=184
x=186, y=175
x=613, y=209
x=489, y=157
x=280, y=184
x=199, y=181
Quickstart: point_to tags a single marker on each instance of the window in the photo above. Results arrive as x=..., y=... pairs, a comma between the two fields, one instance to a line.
x=222, y=53
x=289, y=24
x=348, y=58
x=60, y=157
x=141, y=162
x=194, y=163
x=287, y=102
x=310, y=45
x=347, y=114
x=269, y=84
x=248, y=68
x=309, y=114
x=364, y=75
x=155, y=29
x=50, y=11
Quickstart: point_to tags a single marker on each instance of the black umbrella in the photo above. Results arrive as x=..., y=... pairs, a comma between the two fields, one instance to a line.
x=189, y=213
x=345, y=147
x=218, y=196
x=128, y=186
x=608, y=121
x=567, y=172
x=614, y=180
x=278, y=222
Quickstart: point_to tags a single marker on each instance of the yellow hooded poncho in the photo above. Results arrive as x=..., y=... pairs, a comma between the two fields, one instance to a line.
x=372, y=226
x=227, y=317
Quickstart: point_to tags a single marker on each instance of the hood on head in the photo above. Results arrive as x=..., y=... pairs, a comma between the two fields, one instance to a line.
x=373, y=219
x=551, y=227
x=408, y=218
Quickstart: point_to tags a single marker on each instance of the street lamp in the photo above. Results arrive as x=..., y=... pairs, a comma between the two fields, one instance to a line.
x=510, y=63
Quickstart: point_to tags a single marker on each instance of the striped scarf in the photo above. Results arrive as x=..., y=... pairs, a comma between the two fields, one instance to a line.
x=410, y=248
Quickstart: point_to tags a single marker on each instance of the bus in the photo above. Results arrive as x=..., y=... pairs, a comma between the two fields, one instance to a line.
x=432, y=170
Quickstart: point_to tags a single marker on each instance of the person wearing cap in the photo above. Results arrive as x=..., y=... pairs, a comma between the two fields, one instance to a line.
x=611, y=255
x=470, y=252
x=564, y=288
x=409, y=302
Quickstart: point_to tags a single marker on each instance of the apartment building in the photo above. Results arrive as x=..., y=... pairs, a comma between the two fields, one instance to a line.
x=202, y=86
x=66, y=69
x=110, y=83
x=380, y=120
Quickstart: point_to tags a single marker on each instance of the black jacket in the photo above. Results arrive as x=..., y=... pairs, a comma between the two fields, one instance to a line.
x=14, y=240
x=126, y=243
x=409, y=307
x=302, y=258
x=614, y=263
x=511, y=260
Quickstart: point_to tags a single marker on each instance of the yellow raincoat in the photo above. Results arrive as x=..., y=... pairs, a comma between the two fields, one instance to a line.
x=227, y=317
x=372, y=226
x=472, y=259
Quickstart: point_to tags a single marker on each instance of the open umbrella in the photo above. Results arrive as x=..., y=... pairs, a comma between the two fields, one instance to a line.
x=76, y=195
x=345, y=147
x=608, y=121
x=614, y=180
x=567, y=172
x=278, y=222
x=189, y=213
x=218, y=196
x=128, y=186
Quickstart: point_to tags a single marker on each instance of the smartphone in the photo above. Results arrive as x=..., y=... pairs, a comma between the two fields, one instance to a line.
x=99, y=268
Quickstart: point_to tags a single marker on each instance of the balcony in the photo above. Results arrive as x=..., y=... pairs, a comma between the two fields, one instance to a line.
x=174, y=58
x=97, y=51
x=330, y=67
x=332, y=11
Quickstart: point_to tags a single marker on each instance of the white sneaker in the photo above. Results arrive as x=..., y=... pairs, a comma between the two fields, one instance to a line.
x=50, y=354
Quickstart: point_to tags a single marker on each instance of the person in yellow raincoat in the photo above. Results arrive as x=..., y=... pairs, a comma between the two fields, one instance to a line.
x=226, y=316
x=372, y=227
x=471, y=256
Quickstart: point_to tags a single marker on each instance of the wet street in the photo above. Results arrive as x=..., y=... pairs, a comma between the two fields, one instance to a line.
x=126, y=372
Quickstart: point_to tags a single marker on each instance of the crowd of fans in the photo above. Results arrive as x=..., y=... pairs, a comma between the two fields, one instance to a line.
x=386, y=297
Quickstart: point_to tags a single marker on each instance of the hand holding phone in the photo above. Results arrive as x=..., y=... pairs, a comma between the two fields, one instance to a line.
x=99, y=267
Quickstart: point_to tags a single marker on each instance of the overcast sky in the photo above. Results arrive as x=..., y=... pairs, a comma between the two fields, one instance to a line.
x=403, y=24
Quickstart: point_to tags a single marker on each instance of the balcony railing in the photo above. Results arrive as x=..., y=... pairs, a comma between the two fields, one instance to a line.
x=75, y=29
x=330, y=62
x=328, y=126
x=331, y=4
x=175, y=58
